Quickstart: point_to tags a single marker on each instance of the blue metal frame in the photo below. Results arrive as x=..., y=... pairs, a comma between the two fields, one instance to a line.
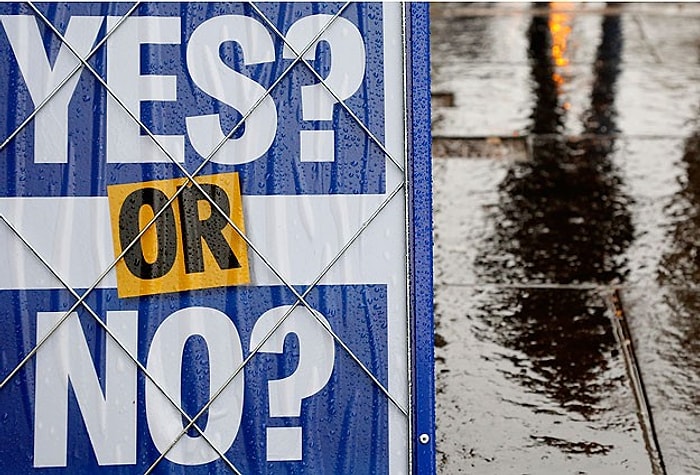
x=421, y=238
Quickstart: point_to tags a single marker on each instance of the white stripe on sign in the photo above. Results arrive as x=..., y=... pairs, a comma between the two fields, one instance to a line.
x=298, y=234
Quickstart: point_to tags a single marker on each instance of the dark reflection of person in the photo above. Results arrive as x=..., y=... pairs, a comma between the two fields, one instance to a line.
x=561, y=219
x=681, y=265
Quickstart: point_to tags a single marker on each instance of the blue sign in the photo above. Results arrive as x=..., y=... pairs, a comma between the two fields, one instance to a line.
x=203, y=226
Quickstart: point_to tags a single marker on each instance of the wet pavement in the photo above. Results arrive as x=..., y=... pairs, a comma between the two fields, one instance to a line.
x=567, y=237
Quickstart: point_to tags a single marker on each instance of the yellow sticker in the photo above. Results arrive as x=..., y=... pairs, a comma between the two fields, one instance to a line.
x=191, y=245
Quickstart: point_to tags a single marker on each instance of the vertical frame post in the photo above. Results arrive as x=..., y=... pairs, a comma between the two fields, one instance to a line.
x=420, y=238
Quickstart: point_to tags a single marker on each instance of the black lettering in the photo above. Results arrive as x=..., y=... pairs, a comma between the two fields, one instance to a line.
x=194, y=229
x=165, y=231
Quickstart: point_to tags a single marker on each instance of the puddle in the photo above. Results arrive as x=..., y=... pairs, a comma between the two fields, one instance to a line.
x=529, y=381
x=568, y=163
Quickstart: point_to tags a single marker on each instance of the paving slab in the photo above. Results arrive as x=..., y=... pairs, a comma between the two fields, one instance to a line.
x=531, y=381
x=666, y=334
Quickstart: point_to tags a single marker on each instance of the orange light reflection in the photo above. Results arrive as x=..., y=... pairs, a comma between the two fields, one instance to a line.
x=560, y=29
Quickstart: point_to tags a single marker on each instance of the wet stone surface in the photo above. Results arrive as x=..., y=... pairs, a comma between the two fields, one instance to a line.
x=530, y=381
x=567, y=165
x=666, y=330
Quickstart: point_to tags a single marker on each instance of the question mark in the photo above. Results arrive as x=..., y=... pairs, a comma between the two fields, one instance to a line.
x=316, y=361
x=345, y=77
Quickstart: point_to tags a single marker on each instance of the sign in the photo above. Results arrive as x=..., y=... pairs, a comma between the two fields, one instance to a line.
x=205, y=216
x=189, y=246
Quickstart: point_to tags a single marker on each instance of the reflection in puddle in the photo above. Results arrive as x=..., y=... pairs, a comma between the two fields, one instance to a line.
x=545, y=211
x=682, y=262
x=574, y=448
x=562, y=217
x=675, y=371
x=561, y=342
x=560, y=29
